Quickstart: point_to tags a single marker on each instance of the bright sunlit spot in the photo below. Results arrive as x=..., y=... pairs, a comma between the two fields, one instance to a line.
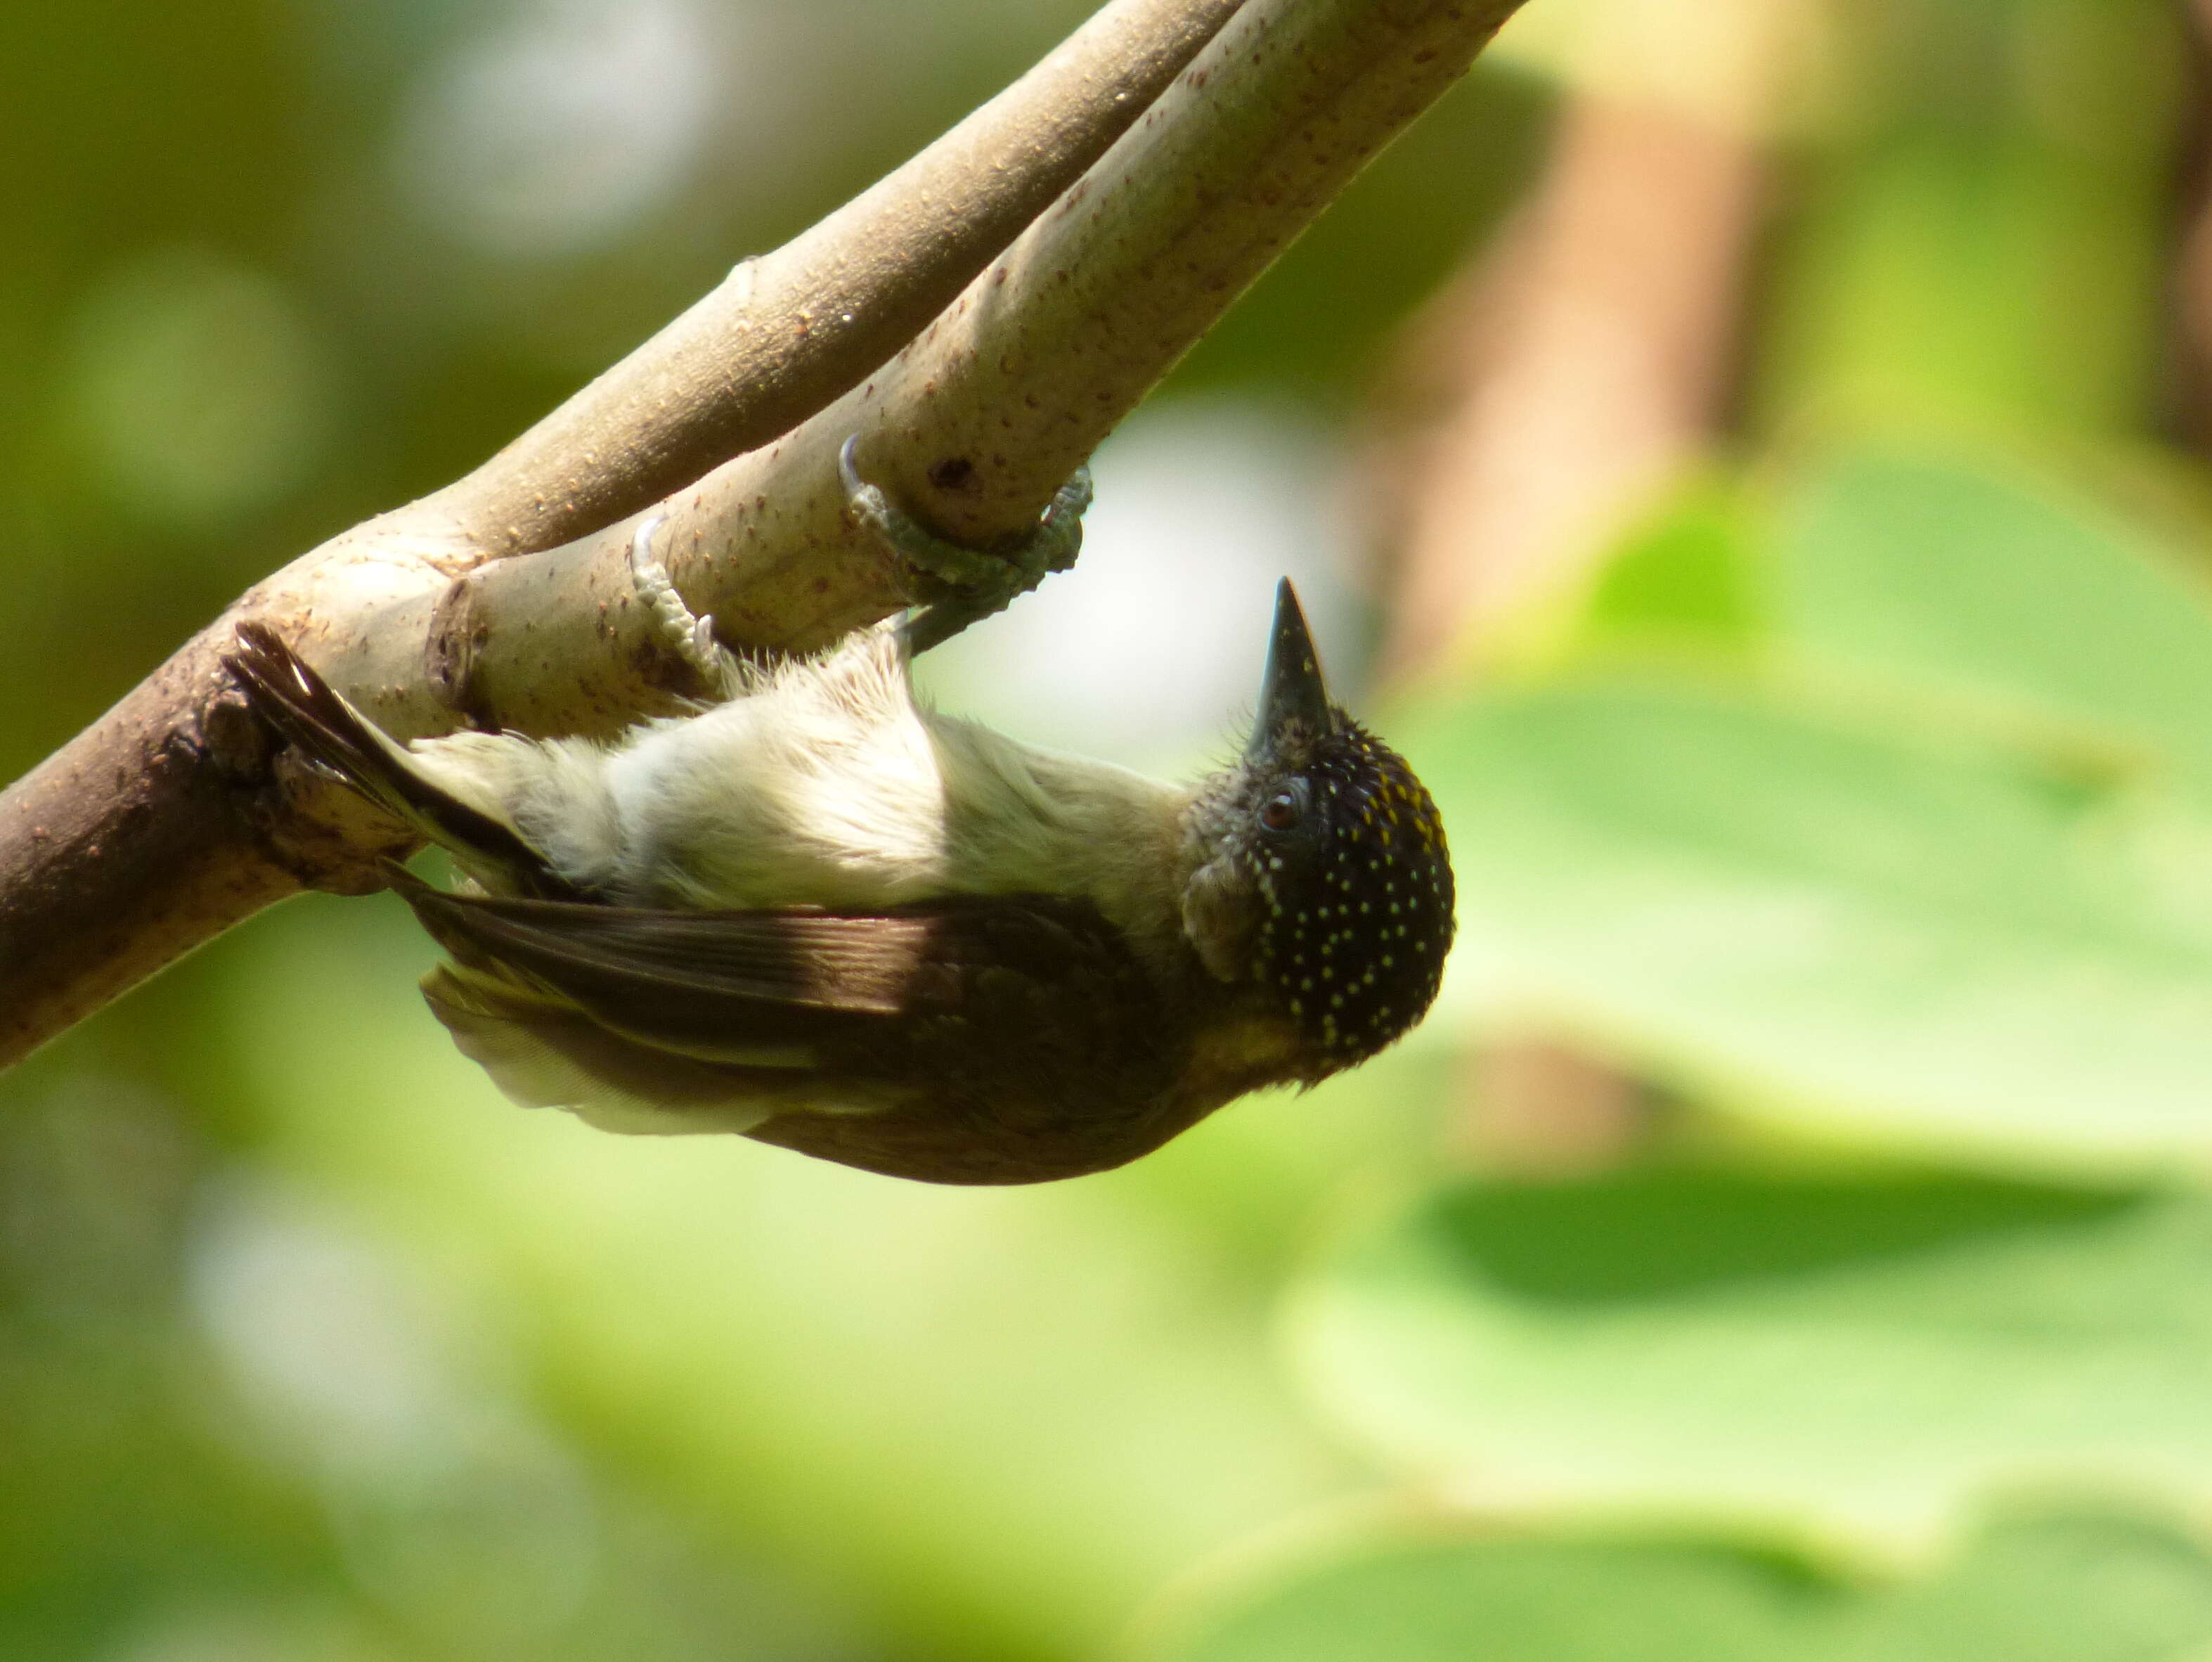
x=564, y=129
x=1151, y=649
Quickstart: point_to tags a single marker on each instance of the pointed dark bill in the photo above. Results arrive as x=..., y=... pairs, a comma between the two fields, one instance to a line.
x=1292, y=691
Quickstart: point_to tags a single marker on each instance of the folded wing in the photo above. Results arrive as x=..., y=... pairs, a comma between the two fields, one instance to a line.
x=713, y=1021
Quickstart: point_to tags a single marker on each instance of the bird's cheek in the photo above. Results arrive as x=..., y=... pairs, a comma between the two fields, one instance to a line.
x=1217, y=914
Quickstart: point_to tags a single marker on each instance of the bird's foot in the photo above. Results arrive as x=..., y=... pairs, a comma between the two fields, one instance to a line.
x=690, y=638
x=952, y=586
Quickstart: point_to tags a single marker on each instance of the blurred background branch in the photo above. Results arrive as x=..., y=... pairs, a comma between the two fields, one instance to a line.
x=1571, y=376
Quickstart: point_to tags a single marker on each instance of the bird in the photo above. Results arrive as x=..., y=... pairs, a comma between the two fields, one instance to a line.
x=818, y=912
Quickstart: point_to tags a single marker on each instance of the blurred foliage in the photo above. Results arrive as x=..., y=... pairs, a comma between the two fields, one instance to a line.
x=1889, y=818
x=2033, y=1589
x=1862, y=803
x=1859, y=1359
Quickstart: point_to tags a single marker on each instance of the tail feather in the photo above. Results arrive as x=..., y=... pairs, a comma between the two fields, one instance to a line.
x=288, y=693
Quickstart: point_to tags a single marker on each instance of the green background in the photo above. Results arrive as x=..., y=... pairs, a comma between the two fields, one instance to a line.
x=1860, y=807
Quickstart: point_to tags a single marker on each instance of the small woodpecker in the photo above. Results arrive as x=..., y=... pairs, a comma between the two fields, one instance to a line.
x=822, y=914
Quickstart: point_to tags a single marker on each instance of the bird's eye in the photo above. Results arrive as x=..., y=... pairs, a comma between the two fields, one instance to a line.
x=1282, y=811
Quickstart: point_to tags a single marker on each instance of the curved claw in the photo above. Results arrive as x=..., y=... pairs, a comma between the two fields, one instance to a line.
x=847, y=474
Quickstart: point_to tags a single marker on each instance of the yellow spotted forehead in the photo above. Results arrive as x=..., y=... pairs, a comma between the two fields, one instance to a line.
x=1354, y=930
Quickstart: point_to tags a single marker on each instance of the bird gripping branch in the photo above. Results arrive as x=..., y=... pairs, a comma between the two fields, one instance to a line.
x=821, y=914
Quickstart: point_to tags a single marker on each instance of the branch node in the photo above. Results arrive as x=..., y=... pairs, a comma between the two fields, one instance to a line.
x=457, y=629
x=235, y=743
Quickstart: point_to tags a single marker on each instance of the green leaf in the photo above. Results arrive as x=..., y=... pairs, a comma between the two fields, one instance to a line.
x=2051, y=1589
x=1932, y=940
x=1683, y=580
x=1988, y=585
x=1863, y=1358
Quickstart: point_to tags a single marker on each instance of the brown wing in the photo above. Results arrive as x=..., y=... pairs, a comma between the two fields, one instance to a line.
x=710, y=984
x=1017, y=997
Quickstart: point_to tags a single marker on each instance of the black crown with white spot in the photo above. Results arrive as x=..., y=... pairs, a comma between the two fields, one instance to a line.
x=1355, y=897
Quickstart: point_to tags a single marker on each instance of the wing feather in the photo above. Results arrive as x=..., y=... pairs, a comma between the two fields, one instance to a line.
x=851, y=964
x=970, y=1023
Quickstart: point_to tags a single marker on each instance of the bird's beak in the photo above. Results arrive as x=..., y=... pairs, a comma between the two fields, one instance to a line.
x=1292, y=693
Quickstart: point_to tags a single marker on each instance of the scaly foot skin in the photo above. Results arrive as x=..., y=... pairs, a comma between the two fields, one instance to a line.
x=691, y=638
x=953, y=587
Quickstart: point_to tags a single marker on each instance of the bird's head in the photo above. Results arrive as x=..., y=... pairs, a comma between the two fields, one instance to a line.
x=1319, y=869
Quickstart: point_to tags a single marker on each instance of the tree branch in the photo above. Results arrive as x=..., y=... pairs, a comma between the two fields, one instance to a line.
x=161, y=825
x=787, y=332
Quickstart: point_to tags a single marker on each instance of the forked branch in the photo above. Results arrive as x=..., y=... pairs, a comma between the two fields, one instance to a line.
x=1036, y=273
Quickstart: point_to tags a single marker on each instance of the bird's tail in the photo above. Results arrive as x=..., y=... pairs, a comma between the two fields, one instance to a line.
x=310, y=713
